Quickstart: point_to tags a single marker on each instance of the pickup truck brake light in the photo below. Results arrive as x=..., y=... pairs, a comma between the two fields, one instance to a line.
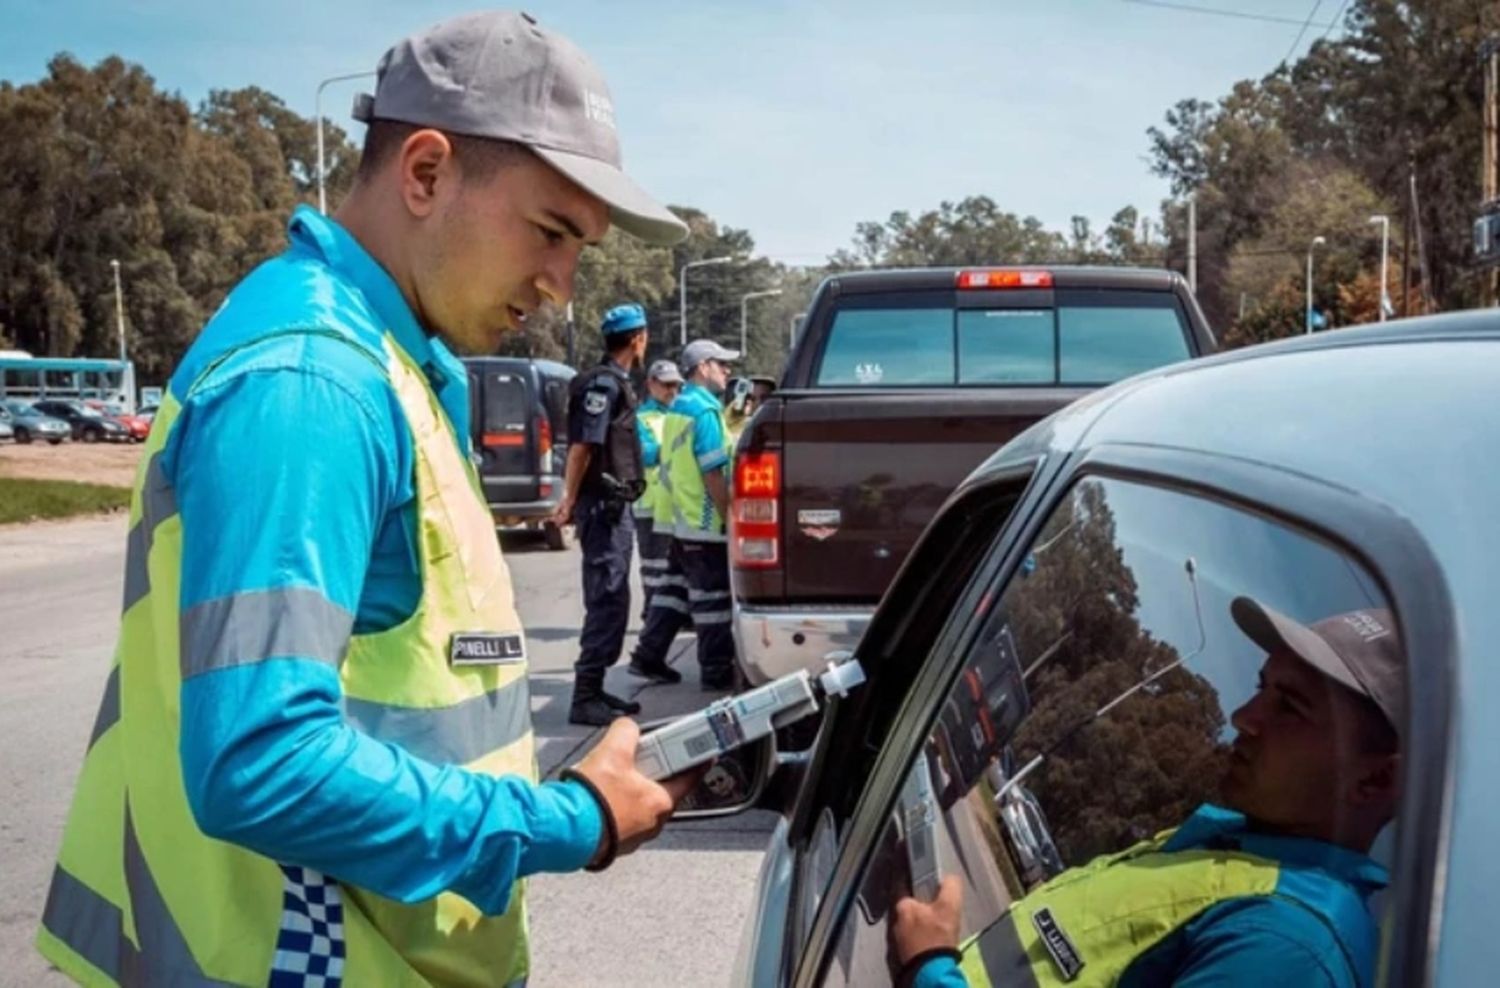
x=754, y=522
x=992, y=278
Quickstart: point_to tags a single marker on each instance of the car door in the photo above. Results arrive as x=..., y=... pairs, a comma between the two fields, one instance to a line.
x=1086, y=692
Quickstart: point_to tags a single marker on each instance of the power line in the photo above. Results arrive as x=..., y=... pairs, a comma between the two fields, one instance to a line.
x=1336, y=19
x=1310, y=15
x=1217, y=12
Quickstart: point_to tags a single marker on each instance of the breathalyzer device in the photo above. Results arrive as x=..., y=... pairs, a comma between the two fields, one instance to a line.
x=737, y=720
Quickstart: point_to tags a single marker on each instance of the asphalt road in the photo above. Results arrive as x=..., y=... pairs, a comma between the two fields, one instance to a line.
x=670, y=914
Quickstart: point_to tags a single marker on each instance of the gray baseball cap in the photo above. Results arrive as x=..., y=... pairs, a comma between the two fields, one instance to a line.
x=500, y=75
x=1358, y=649
x=700, y=350
x=665, y=371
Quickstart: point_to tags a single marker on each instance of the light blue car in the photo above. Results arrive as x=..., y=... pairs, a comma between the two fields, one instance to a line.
x=28, y=424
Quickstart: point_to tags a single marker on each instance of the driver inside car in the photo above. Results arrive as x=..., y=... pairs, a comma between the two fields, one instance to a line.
x=1277, y=879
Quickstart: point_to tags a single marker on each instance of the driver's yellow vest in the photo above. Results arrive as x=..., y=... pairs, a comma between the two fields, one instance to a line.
x=141, y=896
x=1085, y=927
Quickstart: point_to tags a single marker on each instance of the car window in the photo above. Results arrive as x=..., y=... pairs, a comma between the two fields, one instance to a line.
x=1102, y=343
x=1006, y=346
x=505, y=405
x=1110, y=693
x=888, y=348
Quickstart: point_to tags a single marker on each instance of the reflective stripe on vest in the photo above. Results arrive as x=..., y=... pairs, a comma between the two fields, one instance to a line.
x=1089, y=924
x=140, y=895
x=689, y=512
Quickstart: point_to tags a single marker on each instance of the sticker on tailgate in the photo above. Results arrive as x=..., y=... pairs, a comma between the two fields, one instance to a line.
x=820, y=523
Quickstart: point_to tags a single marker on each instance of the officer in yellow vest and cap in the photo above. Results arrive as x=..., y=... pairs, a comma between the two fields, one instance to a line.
x=662, y=579
x=314, y=762
x=1270, y=888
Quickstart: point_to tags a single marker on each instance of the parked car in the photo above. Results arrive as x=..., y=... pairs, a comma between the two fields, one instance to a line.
x=138, y=426
x=1102, y=553
x=518, y=418
x=900, y=384
x=7, y=431
x=147, y=412
x=88, y=424
x=30, y=424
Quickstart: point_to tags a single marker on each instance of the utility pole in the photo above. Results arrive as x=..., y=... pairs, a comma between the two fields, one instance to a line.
x=318, y=118
x=1193, y=244
x=1489, y=193
x=572, y=346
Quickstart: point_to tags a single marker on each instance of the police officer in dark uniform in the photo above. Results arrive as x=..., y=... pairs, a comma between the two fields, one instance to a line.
x=604, y=475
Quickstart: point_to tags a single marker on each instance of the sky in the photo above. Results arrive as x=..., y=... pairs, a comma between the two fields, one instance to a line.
x=793, y=120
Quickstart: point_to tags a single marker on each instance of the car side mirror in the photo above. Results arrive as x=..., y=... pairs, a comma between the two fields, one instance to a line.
x=733, y=784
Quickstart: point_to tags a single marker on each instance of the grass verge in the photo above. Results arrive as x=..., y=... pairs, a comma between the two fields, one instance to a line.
x=22, y=499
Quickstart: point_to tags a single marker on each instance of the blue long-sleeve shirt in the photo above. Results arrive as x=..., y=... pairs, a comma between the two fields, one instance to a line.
x=1236, y=942
x=292, y=468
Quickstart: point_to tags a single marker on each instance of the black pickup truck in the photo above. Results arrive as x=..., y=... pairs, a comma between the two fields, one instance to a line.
x=900, y=383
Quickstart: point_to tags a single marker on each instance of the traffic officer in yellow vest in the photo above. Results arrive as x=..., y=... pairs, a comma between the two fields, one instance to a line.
x=695, y=481
x=314, y=762
x=665, y=588
x=1270, y=888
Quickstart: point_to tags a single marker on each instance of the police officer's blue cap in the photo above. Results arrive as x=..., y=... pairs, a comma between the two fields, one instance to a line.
x=623, y=319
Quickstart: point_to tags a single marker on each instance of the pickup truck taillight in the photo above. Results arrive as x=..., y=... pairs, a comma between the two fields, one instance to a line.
x=755, y=522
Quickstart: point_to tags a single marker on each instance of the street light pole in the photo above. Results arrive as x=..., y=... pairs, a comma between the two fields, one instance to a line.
x=744, y=322
x=119, y=308
x=682, y=288
x=1193, y=244
x=1385, y=253
x=1307, y=314
x=318, y=118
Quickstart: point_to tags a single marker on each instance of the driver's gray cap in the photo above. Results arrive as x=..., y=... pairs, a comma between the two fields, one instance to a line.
x=500, y=75
x=1360, y=649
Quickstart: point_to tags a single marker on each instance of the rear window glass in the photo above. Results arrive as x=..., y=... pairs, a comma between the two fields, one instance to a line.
x=1098, y=344
x=1091, y=337
x=888, y=347
x=504, y=401
x=1006, y=346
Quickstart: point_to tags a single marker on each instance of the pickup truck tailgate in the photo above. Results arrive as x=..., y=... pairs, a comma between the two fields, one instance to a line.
x=863, y=478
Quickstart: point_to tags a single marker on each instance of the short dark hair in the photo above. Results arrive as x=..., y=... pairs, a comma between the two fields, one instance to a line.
x=479, y=157
x=1377, y=734
x=617, y=342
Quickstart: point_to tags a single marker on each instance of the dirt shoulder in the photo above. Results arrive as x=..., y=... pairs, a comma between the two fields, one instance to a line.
x=112, y=464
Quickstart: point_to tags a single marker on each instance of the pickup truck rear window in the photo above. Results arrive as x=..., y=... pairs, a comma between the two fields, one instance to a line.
x=1089, y=338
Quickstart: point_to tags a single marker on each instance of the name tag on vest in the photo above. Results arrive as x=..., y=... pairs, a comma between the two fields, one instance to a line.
x=483, y=648
x=1063, y=953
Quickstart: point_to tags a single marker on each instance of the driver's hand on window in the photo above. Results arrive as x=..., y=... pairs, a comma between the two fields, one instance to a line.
x=924, y=928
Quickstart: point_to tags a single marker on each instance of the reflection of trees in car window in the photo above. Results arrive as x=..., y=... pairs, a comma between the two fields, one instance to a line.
x=1145, y=765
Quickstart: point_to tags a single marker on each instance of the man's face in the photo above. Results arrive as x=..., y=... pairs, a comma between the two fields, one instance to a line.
x=664, y=393
x=491, y=250
x=1301, y=762
x=715, y=375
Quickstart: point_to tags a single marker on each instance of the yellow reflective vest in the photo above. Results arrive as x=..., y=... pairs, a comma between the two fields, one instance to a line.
x=1085, y=927
x=141, y=896
x=684, y=508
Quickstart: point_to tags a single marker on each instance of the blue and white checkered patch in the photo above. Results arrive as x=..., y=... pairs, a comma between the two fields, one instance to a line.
x=310, y=947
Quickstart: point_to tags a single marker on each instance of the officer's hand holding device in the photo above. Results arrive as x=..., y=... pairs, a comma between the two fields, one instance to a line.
x=635, y=808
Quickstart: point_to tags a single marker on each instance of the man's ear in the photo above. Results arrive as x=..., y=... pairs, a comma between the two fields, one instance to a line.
x=427, y=166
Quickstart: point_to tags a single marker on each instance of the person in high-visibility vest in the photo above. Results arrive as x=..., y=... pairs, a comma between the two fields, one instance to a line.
x=314, y=762
x=665, y=586
x=1271, y=888
x=694, y=473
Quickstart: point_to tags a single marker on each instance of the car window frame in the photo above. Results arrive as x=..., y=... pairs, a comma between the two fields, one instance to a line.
x=1376, y=536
